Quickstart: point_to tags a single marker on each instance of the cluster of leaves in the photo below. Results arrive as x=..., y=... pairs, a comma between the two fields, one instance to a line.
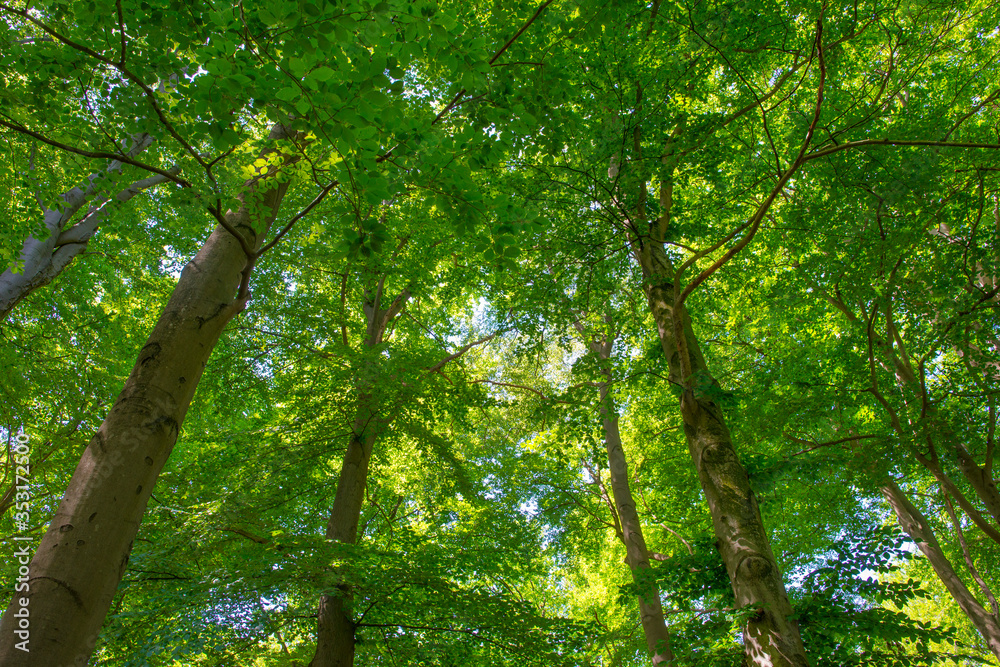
x=495, y=194
x=840, y=606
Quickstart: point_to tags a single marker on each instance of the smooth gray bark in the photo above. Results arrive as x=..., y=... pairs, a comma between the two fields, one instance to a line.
x=654, y=627
x=917, y=527
x=43, y=260
x=83, y=555
x=770, y=638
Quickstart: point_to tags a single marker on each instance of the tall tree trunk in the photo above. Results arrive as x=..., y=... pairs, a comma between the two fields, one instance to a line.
x=650, y=608
x=909, y=384
x=770, y=637
x=335, y=634
x=637, y=555
x=43, y=260
x=335, y=640
x=917, y=527
x=84, y=553
x=913, y=426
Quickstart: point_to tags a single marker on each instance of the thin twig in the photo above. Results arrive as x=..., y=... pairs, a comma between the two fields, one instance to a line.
x=518, y=33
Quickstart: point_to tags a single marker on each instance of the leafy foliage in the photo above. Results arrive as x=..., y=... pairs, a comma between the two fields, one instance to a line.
x=499, y=169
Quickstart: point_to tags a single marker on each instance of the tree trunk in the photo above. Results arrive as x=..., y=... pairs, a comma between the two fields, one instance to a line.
x=637, y=555
x=899, y=362
x=654, y=628
x=770, y=637
x=335, y=638
x=84, y=553
x=335, y=633
x=982, y=483
x=949, y=487
x=44, y=260
x=917, y=527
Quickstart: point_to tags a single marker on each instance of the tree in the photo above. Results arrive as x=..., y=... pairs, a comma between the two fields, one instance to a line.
x=771, y=226
x=42, y=260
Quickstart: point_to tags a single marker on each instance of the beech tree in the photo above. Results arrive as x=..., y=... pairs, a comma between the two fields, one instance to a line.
x=430, y=333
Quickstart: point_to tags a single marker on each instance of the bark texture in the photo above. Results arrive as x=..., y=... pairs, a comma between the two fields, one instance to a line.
x=335, y=640
x=84, y=553
x=654, y=628
x=770, y=637
x=917, y=527
x=43, y=260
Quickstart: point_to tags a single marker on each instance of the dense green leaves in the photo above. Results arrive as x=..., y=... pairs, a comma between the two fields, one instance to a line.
x=498, y=170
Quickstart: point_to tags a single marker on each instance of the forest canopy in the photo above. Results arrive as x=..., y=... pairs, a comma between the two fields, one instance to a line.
x=403, y=332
